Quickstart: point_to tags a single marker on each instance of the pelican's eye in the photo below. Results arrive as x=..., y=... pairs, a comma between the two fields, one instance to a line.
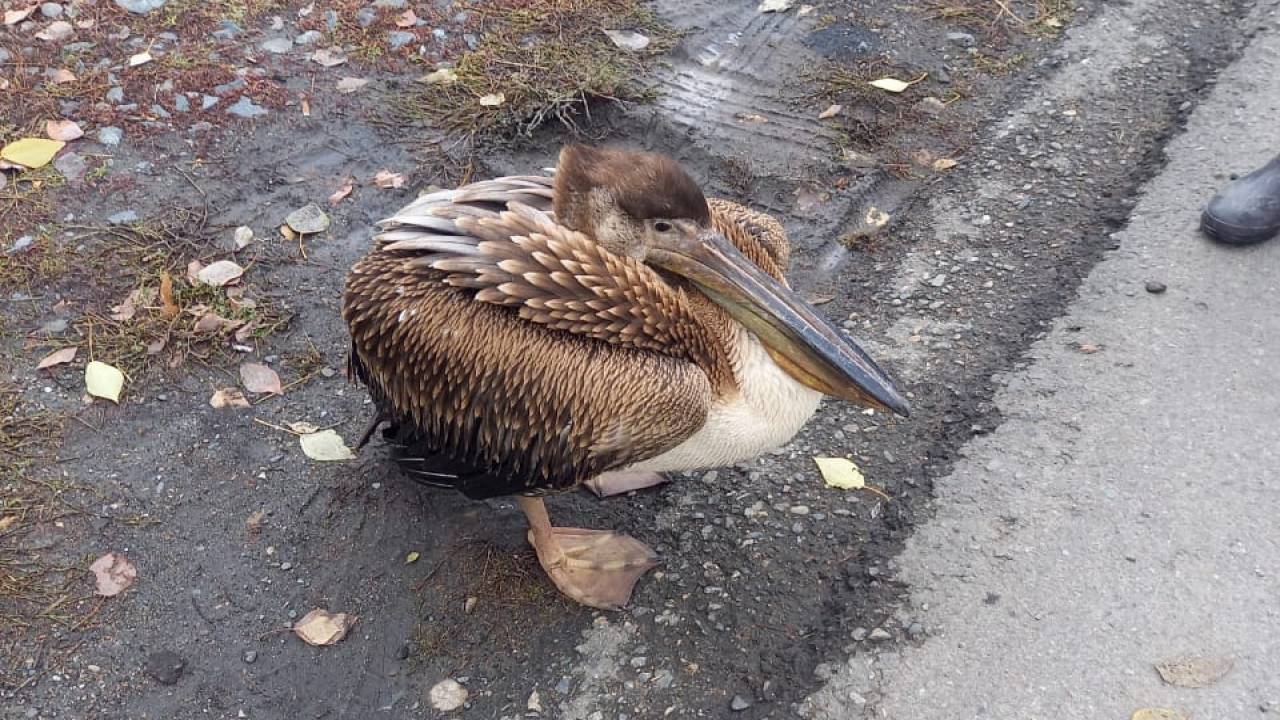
x=662, y=226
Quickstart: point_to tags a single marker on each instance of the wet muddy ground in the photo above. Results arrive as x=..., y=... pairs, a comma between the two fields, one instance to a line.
x=767, y=575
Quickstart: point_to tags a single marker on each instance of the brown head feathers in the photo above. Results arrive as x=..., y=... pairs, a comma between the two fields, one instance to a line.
x=643, y=185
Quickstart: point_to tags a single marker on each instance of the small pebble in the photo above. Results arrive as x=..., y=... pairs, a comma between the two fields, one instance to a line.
x=1155, y=287
x=124, y=217
x=110, y=135
x=165, y=666
x=739, y=703
x=879, y=635
x=277, y=46
x=399, y=38
x=250, y=656
x=51, y=10
x=115, y=95
x=308, y=37
x=181, y=104
x=246, y=108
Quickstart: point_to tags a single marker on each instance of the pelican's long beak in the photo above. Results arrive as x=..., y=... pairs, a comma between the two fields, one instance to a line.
x=799, y=339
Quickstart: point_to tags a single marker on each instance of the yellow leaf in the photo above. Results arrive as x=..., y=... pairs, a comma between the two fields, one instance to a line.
x=492, y=99
x=840, y=473
x=893, y=85
x=831, y=111
x=31, y=152
x=325, y=446
x=103, y=380
x=943, y=164
x=412, y=558
x=1157, y=714
x=320, y=627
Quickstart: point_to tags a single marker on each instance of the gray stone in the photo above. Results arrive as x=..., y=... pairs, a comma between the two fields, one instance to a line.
x=181, y=104
x=21, y=244
x=962, y=38
x=390, y=4
x=71, y=165
x=227, y=29
x=164, y=665
x=1156, y=287
x=140, y=7
x=250, y=656
x=110, y=135
x=366, y=16
x=471, y=40
x=124, y=217
x=331, y=19
x=308, y=219
x=278, y=46
x=51, y=10
x=56, y=326
x=5, y=55
x=739, y=703
x=309, y=37
x=208, y=101
x=115, y=95
x=230, y=87
x=159, y=111
x=246, y=108
x=879, y=635
x=399, y=38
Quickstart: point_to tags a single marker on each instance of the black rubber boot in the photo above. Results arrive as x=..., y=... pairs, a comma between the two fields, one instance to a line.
x=1246, y=211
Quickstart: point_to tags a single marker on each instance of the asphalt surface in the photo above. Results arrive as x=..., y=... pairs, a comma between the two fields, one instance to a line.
x=1123, y=515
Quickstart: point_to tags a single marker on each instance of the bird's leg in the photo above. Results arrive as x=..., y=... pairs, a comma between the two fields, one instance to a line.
x=597, y=568
x=618, y=482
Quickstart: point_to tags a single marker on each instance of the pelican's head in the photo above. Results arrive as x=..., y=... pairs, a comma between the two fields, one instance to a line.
x=645, y=206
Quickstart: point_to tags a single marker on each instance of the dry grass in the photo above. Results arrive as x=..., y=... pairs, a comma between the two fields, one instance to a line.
x=548, y=59
x=1034, y=17
x=504, y=585
x=41, y=591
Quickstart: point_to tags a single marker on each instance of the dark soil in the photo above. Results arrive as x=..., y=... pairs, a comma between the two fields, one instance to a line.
x=767, y=573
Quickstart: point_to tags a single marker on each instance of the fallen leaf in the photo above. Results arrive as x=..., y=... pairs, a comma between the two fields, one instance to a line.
x=411, y=558
x=219, y=273
x=168, y=307
x=302, y=427
x=254, y=522
x=243, y=236
x=13, y=17
x=31, y=152
x=139, y=297
x=348, y=85
x=805, y=10
x=448, y=695
x=64, y=130
x=113, y=574
x=319, y=627
x=103, y=380
x=1194, y=672
x=389, y=180
x=893, y=85
x=212, y=322
x=193, y=268
x=259, y=378
x=944, y=164
x=329, y=57
x=492, y=99
x=443, y=76
x=325, y=446
x=154, y=347
x=876, y=217
x=306, y=108
x=306, y=10
x=1157, y=714
x=1089, y=348
x=341, y=193
x=840, y=473
x=831, y=111
x=228, y=398
x=628, y=39
x=141, y=58
x=752, y=118
x=287, y=233
x=56, y=31
x=768, y=6
x=406, y=19
x=58, y=357
x=7, y=522
x=245, y=333
x=63, y=76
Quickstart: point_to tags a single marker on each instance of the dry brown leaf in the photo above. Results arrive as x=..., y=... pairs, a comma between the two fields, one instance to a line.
x=228, y=398
x=63, y=76
x=320, y=627
x=64, y=130
x=388, y=179
x=944, y=164
x=348, y=85
x=193, y=268
x=1194, y=672
x=254, y=522
x=7, y=522
x=406, y=19
x=58, y=357
x=13, y=17
x=244, y=334
x=156, y=346
x=287, y=233
x=113, y=574
x=219, y=273
x=212, y=322
x=341, y=193
x=168, y=307
x=259, y=378
x=127, y=309
x=831, y=111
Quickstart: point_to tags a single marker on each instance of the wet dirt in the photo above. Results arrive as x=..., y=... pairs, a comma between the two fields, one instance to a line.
x=767, y=574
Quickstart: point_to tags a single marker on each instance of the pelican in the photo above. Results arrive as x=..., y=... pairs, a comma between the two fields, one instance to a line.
x=599, y=325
